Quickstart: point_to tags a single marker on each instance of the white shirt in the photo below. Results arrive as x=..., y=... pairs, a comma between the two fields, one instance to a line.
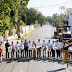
x=17, y=46
x=43, y=45
x=34, y=46
x=57, y=46
x=49, y=45
x=53, y=46
x=21, y=46
x=66, y=44
x=70, y=49
x=39, y=44
x=61, y=45
x=29, y=45
x=3, y=47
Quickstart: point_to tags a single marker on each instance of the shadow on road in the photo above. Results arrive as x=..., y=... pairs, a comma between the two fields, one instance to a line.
x=57, y=70
x=42, y=59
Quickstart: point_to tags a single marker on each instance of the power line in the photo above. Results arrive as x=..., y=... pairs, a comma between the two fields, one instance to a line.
x=53, y=5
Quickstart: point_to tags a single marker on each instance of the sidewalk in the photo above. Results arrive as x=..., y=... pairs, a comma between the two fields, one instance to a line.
x=13, y=38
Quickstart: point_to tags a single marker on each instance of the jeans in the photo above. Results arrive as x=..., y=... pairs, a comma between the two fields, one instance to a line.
x=17, y=53
x=26, y=50
x=12, y=53
x=22, y=53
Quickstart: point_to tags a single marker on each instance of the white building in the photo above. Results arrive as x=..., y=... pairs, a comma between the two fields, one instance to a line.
x=70, y=18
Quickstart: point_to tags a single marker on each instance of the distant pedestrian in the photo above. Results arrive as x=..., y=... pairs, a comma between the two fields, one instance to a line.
x=26, y=47
x=22, y=49
x=12, y=46
x=44, y=48
x=7, y=46
x=17, y=46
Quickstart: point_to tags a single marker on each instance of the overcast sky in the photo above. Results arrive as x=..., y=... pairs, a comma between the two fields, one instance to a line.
x=49, y=7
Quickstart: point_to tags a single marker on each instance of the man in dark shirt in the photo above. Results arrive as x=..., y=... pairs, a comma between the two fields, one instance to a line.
x=26, y=47
x=6, y=46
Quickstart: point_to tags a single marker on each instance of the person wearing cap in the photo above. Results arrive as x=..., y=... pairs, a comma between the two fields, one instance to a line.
x=7, y=45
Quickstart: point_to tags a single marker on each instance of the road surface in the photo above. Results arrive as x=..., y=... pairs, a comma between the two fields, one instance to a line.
x=39, y=64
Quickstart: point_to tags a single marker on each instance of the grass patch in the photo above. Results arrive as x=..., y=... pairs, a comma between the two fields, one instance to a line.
x=32, y=31
x=24, y=36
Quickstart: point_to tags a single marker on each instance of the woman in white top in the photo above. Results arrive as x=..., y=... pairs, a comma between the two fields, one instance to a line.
x=30, y=49
x=44, y=48
x=17, y=46
x=34, y=49
x=22, y=49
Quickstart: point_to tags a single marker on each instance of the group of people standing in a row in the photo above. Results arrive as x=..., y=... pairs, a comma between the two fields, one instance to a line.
x=22, y=48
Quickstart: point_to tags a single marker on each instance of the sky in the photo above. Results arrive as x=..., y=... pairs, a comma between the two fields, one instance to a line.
x=49, y=7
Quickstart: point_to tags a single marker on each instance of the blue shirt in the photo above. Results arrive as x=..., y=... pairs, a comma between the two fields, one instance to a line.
x=25, y=44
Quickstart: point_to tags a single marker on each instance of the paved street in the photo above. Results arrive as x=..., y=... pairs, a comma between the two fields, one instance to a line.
x=44, y=33
x=39, y=64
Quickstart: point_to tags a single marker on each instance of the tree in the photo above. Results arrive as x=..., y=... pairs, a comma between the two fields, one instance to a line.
x=49, y=19
x=31, y=15
x=13, y=9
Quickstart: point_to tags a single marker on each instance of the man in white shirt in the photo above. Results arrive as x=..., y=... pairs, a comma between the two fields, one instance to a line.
x=17, y=46
x=53, y=50
x=30, y=49
x=22, y=49
x=44, y=48
x=39, y=45
x=57, y=45
x=49, y=48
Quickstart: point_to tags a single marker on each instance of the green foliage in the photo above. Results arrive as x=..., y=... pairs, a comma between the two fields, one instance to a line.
x=10, y=13
x=22, y=23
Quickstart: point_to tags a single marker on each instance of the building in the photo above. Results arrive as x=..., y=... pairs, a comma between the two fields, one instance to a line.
x=70, y=18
